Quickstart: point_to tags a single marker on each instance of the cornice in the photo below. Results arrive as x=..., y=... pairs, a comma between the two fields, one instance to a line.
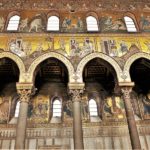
x=76, y=34
x=75, y=5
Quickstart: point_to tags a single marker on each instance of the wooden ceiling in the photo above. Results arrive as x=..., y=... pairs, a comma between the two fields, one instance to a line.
x=9, y=71
x=98, y=70
x=140, y=74
x=52, y=70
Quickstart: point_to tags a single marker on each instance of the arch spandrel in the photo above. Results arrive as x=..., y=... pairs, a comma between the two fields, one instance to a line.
x=130, y=61
x=36, y=62
x=111, y=61
x=19, y=63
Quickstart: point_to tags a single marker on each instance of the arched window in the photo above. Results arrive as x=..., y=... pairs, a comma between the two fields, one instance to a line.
x=56, y=108
x=93, y=108
x=17, y=109
x=13, y=23
x=130, y=24
x=91, y=23
x=53, y=23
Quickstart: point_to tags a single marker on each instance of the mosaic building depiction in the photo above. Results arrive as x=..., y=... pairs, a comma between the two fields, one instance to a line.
x=74, y=74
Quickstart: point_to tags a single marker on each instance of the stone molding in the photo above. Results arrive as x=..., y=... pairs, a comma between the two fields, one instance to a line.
x=36, y=62
x=106, y=58
x=18, y=62
x=93, y=131
x=130, y=61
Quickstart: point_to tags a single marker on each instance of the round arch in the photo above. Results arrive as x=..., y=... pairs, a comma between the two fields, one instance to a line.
x=13, y=13
x=133, y=17
x=131, y=60
x=18, y=61
x=36, y=62
x=108, y=59
x=53, y=13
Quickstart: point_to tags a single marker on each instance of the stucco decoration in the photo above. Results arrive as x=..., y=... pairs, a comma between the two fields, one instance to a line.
x=89, y=57
x=130, y=61
x=36, y=62
x=18, y=61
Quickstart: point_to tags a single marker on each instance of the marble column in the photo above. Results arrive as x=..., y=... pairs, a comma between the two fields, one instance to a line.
x=134, y=136
x=77, y=119
x=25, y=92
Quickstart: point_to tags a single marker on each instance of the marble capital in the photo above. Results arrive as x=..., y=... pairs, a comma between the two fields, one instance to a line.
x=76, y=94
x=25, y=91
x=126, y=89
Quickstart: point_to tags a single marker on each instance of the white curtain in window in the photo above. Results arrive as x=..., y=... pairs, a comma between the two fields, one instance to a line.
x=130, y=24
x=56, y=108
x=93, y=108
x=53, y=23
x=13, y=23
x=92, y=24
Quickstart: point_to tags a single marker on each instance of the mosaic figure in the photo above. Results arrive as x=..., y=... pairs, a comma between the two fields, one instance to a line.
x=36, y=25
x=146, y=103
x=67, y=109
x=2, y=23
x=23, y=25
x=123, y=47
x=84, y=110
x=4, y=109
x=108, y=24
x=145, y=22
x=15, y=46
x=74, y=47
x=108, y=107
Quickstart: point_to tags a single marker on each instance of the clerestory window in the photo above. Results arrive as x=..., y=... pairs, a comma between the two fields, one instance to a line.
x=53, y=23
x=93, y=108
x=130, y=24
x=13, y=23
x=56, y=108
x=92, y=24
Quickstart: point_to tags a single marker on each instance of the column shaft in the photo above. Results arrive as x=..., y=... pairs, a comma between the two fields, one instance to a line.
x=21, y=126
x=134, y=136
x=25, y=91
x=77, y=126
x=77, y=120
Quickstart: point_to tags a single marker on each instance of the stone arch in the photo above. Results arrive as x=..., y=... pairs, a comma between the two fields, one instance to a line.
x=19, y=63
x=11, y=14
x=130, y=61
x=108, y=59
x=36, y=62
x=53, y=13
x=133, y=17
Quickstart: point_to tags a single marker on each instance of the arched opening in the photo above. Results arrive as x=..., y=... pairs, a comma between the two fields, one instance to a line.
x=92, y=24
x=57, y=108
x=13, y=23
x=101, y=85
x=130, y=24
x=93, y=108
x=140, y=75
x=51, y=80
x=53, y=23
x=9, y=75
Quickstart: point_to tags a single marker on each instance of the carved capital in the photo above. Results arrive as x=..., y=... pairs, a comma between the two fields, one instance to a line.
x=126, y=91
x=76, y=94
x=25, y=91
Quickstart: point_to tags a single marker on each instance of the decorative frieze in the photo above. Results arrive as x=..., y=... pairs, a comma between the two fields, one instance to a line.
x=73, y=6
x=53, y=132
